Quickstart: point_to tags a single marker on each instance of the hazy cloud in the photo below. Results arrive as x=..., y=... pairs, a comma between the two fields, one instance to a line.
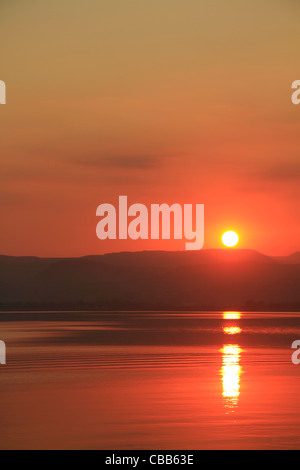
x=286, y=172
x=119, y=161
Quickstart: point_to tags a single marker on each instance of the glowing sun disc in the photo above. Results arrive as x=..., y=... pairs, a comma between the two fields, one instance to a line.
x=230, y=239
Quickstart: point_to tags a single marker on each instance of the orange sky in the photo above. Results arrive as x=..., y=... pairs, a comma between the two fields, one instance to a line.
x=163, y=101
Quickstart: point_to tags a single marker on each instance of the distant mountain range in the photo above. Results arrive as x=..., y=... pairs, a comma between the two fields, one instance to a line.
x=208, y=279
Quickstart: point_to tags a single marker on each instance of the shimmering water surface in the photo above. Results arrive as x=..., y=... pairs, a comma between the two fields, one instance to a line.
x=145, y=380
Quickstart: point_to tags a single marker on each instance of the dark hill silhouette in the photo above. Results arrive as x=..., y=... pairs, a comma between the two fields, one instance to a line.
x=211, y=279
x=183, y=258
x=291, y=259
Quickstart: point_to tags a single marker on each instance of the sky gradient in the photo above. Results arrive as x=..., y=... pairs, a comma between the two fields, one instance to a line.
x=164, y=101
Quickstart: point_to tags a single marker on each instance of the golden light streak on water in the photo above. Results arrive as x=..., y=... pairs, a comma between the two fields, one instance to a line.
x=231, y=376
x=232, y=315
x=232, y=330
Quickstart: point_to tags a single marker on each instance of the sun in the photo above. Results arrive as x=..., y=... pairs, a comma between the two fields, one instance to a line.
x=230, y=239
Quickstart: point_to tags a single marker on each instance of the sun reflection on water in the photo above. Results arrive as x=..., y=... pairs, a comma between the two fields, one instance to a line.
x=232, y=315
x=231, y=374
x=232, y=330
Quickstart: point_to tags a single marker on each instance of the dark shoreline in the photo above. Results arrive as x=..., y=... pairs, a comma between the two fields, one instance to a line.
x=143, y=309
x=209, y=280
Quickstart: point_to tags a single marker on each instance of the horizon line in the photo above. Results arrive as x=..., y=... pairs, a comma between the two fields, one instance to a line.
x=224, y=250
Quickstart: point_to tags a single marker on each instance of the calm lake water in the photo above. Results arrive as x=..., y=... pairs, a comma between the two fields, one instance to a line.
x=171, y=380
